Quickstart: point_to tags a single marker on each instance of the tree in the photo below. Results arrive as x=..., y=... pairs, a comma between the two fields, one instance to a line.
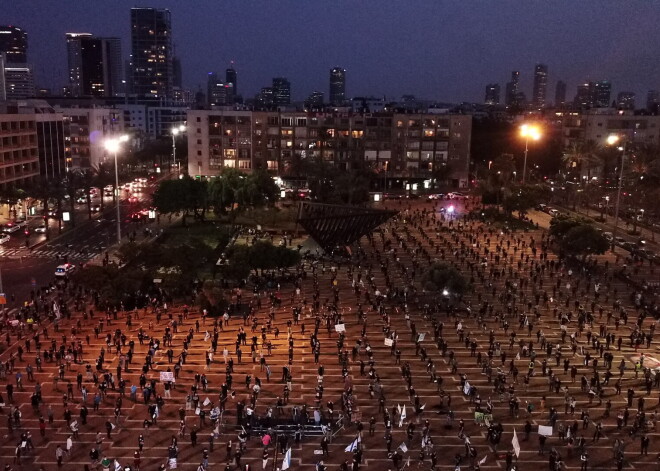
x=352, y=187
x=560, y=225
x=103, y=175
x=523, y=197
x=262, y=255
x=182, y=195
x=441, y=277
x=584, y=239
x=584, y=156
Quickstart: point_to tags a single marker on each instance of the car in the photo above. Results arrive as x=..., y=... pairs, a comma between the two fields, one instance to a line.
x=95, y=208
x=108, y=190
x=553, y=212
x=619, y=241
x=133, y=199
x=455, y=195
x=541, y=207
x=436, y=196
x=64, y=270
x=40, y=229
x=52, y=213
x=629, y=246
x=4, y=238
x=81, y=199
x=13, y=226
x=644, y=253
x=136, y=217
x=609, y=236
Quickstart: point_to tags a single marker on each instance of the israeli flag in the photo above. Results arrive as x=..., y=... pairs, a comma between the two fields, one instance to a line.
x=352, y=446
x=286, y=463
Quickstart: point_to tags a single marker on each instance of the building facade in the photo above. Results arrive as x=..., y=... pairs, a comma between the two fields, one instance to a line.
x=19, y=154
x=281, y=91
x=85, y=133
x=540, y=86
x=14, y=43
x=337, y=86
x=492, y=94
x=95, y=65
x=404, y=146
x=151, y=47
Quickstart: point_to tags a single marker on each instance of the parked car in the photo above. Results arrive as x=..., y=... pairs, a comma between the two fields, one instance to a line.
x=41, y=229
x=609, y=236
x=4, y=238
x=436, y=196
x=455, y=195
x=553, y=212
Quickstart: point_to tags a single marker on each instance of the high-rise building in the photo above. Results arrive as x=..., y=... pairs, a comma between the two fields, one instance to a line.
x=653, y=101
x=314, y=101
x=602, y=94
x=177, y=73
x=266, y=97
x=13, y=42
x=540, y=85
x=281, y=91
x=625, y=101
x=560, y=94
x=512, y=89
x=492, y=94
x=231, y=77
x=95, y=65
x=584, y=98
x=218, y=93
x=151, y=46
x=19, y=82
x=337, y=86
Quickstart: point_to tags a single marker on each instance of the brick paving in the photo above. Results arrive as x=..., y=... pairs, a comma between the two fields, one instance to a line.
x=406, y=245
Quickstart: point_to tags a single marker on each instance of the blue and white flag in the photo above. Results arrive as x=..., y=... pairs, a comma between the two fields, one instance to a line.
x=286, y=463
x=353, y=445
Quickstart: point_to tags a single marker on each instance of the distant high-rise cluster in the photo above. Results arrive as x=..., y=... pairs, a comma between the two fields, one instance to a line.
x=492, y=94
x=540, y=86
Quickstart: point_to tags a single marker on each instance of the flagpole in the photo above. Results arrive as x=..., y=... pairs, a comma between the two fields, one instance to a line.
x=277, y=439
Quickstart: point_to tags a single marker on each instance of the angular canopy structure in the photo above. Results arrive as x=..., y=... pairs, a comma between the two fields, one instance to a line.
x=333, y=225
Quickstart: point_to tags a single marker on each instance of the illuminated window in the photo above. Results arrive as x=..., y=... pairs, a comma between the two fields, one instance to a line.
x=230, y=164
x=331, y=132
x=357, y=134
x=429, y=133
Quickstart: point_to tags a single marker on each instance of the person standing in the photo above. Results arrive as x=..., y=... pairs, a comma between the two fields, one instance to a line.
x=59, y=455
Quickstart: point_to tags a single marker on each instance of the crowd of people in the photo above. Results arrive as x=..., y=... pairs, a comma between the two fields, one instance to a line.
x=536, y=340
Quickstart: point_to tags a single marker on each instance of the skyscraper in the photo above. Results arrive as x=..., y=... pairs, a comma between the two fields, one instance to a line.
x=13, y=42
x=625, y=101
x=337, y=86
x=281, y=91
x=231, y=77
x=584, y=97
x=95, y=65
x=602, y=94
x=492, y=94
x=151, y=45
x=653, y=101
x=315, y=100
x=512, y=91
x=560, y=94
x=540, y=85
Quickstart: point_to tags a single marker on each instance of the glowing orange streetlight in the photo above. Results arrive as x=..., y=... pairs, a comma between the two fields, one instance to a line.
x=528, y=131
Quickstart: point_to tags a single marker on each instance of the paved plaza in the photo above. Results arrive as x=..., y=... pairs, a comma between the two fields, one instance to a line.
x=533, y=344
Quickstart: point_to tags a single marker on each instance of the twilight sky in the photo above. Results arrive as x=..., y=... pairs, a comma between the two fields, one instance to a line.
x=435, y=49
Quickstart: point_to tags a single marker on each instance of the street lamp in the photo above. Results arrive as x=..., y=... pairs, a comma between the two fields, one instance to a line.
x=528, y=131
x=612, y=140
x=113, y=146
x=175, y=132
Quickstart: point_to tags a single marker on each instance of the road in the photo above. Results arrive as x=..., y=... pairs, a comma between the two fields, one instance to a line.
x=24, y=269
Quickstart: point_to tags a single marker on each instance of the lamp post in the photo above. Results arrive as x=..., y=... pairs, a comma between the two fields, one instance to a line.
x=612, y=140
x=113, y=146
x=528, y=131
x=175, y=132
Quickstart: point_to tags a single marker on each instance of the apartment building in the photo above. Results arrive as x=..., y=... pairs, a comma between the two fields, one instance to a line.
x=19, y=154
x=414, y=147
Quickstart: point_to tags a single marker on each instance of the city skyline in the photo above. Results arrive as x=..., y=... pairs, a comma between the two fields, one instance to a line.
x=481, y=44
